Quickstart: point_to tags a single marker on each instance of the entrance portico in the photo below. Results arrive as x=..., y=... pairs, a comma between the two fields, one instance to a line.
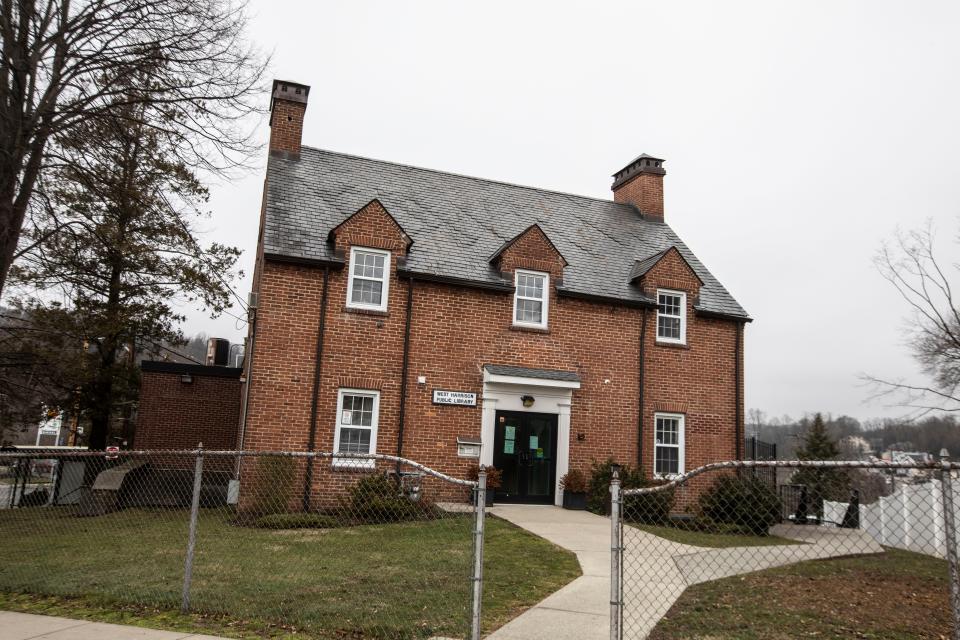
x=509, y=393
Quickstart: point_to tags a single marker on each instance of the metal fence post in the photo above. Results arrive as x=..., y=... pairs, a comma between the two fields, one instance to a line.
x=949, y=525
x=192, y=536
x=615, y=554
x=478, y=554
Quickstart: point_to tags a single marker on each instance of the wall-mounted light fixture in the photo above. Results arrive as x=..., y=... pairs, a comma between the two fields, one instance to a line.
x=186, y=378
x=527, y=401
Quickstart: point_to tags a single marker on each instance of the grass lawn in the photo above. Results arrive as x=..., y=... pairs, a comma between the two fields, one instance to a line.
x=716, y=540
x=403, y=580
x=897, y=595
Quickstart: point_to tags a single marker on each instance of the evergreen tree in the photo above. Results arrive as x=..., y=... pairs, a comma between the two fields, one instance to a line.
x=821, y=483
x=113, y=254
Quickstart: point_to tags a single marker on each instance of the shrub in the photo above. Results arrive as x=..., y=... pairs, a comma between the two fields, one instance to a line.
x=296, y=521
x=747, y=503
x=649, y=508
x=272, y=485
x=378, y=498
x=574, y=481
x=598, y=489
x=494, y=476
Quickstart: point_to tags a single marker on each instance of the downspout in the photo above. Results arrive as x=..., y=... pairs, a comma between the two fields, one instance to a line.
x=736, y=394
x=403, y=376
x=248, y=361
x=643, y=350
x=317, y=368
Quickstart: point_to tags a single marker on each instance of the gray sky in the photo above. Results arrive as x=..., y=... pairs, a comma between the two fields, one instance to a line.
x=798, y=136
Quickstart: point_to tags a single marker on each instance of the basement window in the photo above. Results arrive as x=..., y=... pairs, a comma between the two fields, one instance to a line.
x=671, y=316
x=668, y=445
x=369, y=279
x=358, y=415
x=531, y=298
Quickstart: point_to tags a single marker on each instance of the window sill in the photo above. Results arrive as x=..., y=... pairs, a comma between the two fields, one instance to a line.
x=672, y=345
x=526, y=329
x=366, y=312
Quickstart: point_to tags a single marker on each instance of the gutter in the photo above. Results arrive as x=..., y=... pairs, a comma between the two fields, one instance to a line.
x=248, y=357
x=404, y=371
x=317, y=369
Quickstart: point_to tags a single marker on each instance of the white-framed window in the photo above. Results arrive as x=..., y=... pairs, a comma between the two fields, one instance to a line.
x=671, y=316
x=668, y=444
x=531, y=298
x=369, y=279
x=358, y=415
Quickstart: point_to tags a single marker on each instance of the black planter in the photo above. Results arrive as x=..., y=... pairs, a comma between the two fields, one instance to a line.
x=574, y=501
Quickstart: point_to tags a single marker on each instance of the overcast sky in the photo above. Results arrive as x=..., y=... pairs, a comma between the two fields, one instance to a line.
x=798, y=136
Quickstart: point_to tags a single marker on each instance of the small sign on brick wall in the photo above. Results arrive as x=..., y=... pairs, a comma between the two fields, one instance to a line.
x=462, y=398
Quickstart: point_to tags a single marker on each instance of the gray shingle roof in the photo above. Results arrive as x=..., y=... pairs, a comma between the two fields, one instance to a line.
x=527, y=372
x=457, y=222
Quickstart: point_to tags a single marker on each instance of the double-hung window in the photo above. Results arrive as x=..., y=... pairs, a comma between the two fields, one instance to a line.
x=356, y=431
x=668, y=445
x=369, y=279
x=531, y=298
x=671, y=316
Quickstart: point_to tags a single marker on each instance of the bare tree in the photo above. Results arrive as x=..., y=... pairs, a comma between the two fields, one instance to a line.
x=911, y=265
x=64, y=61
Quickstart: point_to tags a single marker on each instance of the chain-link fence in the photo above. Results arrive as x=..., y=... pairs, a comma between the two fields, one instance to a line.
x=843, y=549
x=325, y=545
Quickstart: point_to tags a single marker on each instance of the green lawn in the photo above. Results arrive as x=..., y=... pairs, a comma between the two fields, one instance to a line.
x=897, y=595
x=704, y=539
x=392, y=580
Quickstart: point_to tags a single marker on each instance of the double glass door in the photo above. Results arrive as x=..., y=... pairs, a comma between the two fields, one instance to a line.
x=526, y=454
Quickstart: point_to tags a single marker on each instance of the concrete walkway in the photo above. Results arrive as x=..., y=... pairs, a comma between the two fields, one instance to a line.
x=656, y=571
x=24, y=626
x=580, y=610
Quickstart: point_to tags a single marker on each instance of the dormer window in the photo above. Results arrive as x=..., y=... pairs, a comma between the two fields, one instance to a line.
x=531, y=299
x=671, y=316
x=369, y=279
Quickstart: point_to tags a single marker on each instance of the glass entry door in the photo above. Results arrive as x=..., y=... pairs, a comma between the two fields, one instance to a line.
x=525, y=451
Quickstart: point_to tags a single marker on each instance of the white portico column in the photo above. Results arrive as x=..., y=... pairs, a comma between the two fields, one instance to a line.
x=488, y=425
x=563, y=447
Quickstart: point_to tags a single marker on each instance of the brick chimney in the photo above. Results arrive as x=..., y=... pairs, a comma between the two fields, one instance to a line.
x=287, y=106
x=640, y=183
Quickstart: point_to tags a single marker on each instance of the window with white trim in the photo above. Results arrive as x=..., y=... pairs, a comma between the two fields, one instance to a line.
x=369, y=279
x=531, y=298
x=356, y=431
x=671, y=316
x=668, y=444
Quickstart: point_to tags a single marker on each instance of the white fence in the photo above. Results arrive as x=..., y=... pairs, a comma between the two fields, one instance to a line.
x=911, y=518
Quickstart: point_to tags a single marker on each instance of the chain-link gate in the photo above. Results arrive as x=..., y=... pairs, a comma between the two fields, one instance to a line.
x=327, y=545
x=860, y=549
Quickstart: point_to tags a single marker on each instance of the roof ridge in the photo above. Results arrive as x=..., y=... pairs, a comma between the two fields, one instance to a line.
x=464, y=175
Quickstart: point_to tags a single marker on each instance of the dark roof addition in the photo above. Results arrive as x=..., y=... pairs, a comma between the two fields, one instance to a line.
x=642, y=267
x=181, y=368
x=527, y=372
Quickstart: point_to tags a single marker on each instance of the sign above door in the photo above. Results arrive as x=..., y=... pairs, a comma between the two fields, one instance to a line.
x=462, y=398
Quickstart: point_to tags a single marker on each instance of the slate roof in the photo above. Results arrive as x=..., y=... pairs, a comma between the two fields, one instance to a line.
x=457, y=222
x=527, y=372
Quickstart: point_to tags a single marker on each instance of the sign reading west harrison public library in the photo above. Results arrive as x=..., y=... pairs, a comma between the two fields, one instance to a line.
x=463, y=398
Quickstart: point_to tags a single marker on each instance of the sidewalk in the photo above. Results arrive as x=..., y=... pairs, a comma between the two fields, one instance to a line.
x=581, y=609
x=25, y=626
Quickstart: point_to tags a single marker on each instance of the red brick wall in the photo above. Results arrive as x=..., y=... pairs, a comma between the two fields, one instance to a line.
x=176, y=415
x=645, y=191
x=455, y=330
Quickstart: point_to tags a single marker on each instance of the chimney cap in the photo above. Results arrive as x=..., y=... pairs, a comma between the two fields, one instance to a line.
x=643, y=163
x=290, y=91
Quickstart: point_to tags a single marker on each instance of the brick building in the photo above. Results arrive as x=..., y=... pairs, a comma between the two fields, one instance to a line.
x=414, y=312
x=182, y=405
